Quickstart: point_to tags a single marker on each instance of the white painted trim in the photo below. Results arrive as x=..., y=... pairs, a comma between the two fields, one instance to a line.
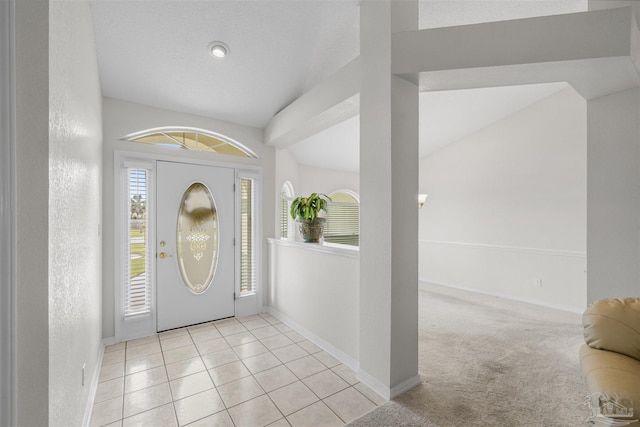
x=351, y=193
x=290, y=194
x=212, y=134
x=143, y=325
x=518, y=249
x=95, y=378
x=405, y=386
x=334, y=249
x=121, y=157
x=564, y=308
x=152, y=157
x=385, y=391
x=109, y=341
x=7, y=215
x=250, y=303
x=329, y=348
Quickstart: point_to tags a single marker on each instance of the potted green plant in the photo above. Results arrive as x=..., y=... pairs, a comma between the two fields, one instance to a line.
x=306, y=211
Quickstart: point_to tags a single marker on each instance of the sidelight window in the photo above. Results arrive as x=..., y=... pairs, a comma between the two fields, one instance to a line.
x=286, y=224
x=247, y=236
x=137, y=272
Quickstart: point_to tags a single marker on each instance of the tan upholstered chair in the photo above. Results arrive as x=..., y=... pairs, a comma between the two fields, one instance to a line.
x=610, y=357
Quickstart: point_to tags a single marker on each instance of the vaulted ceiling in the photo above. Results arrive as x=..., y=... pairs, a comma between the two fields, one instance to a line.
x=154, y=52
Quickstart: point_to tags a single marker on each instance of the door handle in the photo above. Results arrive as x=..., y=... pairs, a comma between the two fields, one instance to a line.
x=163, y=255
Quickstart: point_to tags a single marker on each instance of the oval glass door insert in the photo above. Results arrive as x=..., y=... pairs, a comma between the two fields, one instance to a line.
x=197, y=238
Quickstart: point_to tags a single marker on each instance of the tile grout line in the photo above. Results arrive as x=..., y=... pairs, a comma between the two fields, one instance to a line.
x=269, y=351
x=164, y=361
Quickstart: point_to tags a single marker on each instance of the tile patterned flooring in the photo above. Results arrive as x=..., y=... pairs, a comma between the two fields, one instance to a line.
x=251, y=371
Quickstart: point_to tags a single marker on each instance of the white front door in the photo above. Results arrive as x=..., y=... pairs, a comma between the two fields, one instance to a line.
x=195, y=223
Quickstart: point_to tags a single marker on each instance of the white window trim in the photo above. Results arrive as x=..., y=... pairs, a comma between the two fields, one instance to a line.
x=245, y=305
x=249, y=152
x=291, y=226
x=150, y=211
x=7, y=215
x=250, y=302
x=129, y=327
x=356, y=196
x=349, y=192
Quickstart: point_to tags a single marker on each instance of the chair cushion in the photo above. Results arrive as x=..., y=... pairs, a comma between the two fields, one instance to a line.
x=614, y=375
x=614, y=325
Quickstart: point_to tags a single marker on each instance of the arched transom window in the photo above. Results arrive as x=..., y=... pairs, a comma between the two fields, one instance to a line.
x=286, y=225
x=191, y=139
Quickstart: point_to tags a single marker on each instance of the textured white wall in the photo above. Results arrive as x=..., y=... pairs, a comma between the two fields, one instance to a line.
x=324, y=303
x=507, y=205
x=313, y=180
x=32, y=212
x=75, y=209
x=613, y=199
x=286, y=170
x=122, y=118
x=310, y=179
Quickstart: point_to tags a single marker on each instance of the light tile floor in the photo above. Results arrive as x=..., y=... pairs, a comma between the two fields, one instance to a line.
x=251, y=371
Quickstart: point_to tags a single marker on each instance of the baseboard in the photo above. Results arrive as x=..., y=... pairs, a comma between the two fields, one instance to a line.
x=329, y=348
x=507, y=296
x=95, y=378
x=109, y=341
x=383, y=390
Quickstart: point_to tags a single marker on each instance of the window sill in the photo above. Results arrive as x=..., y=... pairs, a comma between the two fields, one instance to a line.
x=137, y=316
x=243, y=295
x=330, y=248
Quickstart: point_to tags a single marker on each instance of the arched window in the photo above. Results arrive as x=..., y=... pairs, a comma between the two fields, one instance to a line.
x=188, y=138
x=286, y=196
x=343, y=218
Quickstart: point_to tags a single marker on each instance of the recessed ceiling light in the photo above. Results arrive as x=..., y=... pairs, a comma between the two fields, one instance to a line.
x=218, y=49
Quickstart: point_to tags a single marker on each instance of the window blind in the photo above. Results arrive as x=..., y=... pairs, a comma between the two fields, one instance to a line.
x=247, y=236
x=284, y=215
x=343, y=223
x=137, y=274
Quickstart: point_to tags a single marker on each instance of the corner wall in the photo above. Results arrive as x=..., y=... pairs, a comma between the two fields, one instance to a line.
x=613, y=198
x=507, y=206
x=75, y=211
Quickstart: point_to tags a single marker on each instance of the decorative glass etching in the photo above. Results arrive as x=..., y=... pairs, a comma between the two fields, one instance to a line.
x=197, y=238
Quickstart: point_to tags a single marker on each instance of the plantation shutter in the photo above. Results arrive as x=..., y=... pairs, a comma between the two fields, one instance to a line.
x=284, y=215
x=137, y=274
x=247, y=236
x=343, y=223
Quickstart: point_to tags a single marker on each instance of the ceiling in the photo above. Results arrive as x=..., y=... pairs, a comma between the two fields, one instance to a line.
x=445, y=117
x=154, y=52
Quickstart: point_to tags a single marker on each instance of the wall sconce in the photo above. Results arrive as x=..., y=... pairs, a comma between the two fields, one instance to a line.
x=421, y=199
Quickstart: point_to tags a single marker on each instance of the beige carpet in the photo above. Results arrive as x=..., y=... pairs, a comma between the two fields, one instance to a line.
x=487, y=361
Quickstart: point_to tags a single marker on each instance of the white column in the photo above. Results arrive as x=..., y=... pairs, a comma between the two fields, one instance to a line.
x=613, y=196
x=388, y=350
